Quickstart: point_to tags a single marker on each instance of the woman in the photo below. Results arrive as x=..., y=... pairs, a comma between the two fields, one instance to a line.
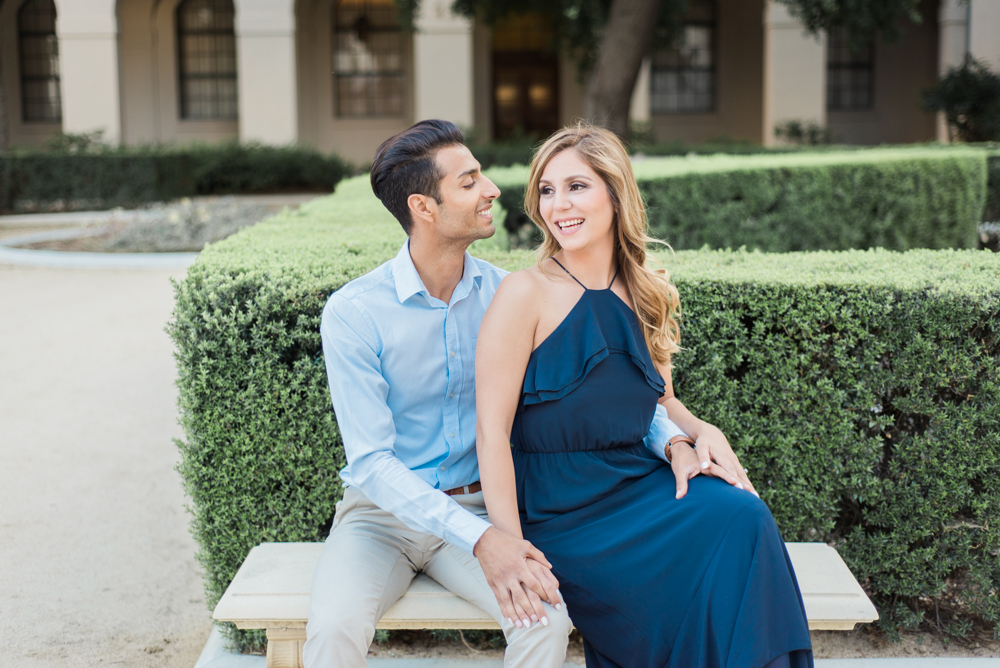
x=573, y=356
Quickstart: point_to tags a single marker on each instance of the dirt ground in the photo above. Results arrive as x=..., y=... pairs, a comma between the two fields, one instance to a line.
x=861, y=643
x=97, y=562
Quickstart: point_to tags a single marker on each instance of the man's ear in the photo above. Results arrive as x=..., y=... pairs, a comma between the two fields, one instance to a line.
x=422, y=208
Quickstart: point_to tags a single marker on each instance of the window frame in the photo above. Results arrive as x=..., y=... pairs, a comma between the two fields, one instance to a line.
x=182, y=76
x=849, y=66
x=402, y=73
x=24, y=77
x=713, y=27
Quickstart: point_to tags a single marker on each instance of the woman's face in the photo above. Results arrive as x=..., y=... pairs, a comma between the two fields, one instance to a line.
x=575, y=203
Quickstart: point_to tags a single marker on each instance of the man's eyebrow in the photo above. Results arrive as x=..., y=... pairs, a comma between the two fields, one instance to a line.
x=468, y=172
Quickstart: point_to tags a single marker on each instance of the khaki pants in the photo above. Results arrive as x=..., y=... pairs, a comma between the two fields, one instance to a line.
x=367, y=564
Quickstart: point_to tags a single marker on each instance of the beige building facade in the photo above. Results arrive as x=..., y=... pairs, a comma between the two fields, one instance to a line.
x=340, y=75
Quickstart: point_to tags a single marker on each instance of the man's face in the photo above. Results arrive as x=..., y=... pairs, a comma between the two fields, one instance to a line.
x=466, y=196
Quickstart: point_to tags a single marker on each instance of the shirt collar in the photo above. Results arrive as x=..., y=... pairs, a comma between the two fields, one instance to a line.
x=409, y=283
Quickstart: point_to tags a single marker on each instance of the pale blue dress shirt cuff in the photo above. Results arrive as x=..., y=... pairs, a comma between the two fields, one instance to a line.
x=660, y=432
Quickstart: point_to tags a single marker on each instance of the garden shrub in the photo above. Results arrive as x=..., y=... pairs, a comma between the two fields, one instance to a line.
x=519, y=152
x=861, y=389
x=81, y=176
x=835, y=200
x=991, y=211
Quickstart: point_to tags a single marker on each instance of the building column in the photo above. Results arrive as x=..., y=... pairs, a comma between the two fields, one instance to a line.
x=639, y=109
x=953, y=44
x=265, y=70
x=794, y=72
x=984, y=32
x=442, y=65
x=88, y=67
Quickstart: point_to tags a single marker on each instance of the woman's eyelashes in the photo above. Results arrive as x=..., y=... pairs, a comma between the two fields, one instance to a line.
x=548, y=190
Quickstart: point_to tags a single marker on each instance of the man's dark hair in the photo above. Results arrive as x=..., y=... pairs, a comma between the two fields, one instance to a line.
x=404, y=165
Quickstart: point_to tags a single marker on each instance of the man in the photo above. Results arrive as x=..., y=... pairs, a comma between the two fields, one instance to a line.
x=400, y=346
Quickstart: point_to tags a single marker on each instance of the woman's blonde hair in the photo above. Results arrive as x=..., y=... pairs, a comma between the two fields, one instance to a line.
x=657, y=304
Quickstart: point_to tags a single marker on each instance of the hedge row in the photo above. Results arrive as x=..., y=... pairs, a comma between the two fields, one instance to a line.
x=991, y=212
x=108, y=177
x=861, y=388
x=896, y=199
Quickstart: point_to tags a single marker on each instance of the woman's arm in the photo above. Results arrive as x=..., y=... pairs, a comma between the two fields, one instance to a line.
x=505, y=341
x=714, y=452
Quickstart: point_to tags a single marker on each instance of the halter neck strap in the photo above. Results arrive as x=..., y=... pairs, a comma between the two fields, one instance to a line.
x=552, y=257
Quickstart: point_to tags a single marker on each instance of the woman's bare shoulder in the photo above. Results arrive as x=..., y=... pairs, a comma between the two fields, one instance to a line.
x=521, y=285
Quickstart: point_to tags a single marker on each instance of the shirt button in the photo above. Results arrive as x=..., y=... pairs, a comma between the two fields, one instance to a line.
x=452, y=395
x=441, y=467
x=451, y=435
x=452, y=353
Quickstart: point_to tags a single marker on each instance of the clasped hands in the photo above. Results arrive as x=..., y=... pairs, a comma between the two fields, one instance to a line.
x=520, y=577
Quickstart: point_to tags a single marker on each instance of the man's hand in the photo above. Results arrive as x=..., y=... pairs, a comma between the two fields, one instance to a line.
x=715, y=453
x=519, y=575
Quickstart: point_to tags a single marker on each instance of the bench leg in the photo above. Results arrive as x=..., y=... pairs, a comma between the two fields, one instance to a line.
x=284, y=646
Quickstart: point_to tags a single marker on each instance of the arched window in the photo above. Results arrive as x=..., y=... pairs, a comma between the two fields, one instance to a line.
x=206, y=47
x=368, y=75
x=683, y=76
x=39, y=52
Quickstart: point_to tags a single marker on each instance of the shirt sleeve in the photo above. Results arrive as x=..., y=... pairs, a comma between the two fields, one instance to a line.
x=660, y=431
x=359, y=391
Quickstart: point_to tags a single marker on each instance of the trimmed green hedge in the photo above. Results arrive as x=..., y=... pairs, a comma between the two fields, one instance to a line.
x=923, y=197
x=104, y=178
x=991, y=212
x=861, y=388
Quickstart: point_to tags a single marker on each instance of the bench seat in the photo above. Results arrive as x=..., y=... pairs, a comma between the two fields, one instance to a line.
x=271, y=591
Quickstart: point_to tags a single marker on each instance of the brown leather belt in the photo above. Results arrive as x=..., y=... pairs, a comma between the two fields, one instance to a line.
x=465, y=489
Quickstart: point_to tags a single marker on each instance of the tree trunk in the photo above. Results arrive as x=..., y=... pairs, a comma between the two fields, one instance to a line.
x=628, y=37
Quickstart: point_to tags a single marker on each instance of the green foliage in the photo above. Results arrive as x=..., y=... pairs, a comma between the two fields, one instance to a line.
x=864, y=20
x=833, y=200
x=519, y=152
x=969, y=98
x=992, y=209
x=861, y=388
x=577, y=26
x=802, y=133
x=79, y=172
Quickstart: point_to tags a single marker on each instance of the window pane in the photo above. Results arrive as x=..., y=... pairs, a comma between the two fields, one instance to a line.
x=850, y=74
x=367, y=59
x=683, y=76
x=38, y=49
x=207, y=56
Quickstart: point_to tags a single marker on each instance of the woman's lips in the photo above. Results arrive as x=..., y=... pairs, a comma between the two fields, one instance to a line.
x=570, y=225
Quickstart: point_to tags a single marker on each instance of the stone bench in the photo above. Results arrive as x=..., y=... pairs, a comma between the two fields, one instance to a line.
x=271, y=591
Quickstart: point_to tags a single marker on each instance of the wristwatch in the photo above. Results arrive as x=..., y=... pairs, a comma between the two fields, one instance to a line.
x=681, y=438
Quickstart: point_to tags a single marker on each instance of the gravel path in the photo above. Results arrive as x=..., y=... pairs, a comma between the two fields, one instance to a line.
x=96, y=562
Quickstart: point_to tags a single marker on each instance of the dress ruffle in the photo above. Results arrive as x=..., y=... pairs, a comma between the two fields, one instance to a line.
x=582, y=338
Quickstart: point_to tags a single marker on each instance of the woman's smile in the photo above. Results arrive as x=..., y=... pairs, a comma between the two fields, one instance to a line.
x=569, y=225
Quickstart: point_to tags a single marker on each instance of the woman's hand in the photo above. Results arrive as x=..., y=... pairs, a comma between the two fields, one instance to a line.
x=686, y=464
x=715, y=453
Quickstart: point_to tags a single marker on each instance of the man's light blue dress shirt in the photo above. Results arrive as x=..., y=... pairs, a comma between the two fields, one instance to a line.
x=400, y=365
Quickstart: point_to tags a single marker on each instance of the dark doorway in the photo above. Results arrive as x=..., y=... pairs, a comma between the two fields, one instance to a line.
x=525, y=79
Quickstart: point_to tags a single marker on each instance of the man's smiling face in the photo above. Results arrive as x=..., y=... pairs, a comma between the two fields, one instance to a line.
x=464, y=213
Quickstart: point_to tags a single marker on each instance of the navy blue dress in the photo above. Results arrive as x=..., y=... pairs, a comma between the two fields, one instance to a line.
x=650, y=581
